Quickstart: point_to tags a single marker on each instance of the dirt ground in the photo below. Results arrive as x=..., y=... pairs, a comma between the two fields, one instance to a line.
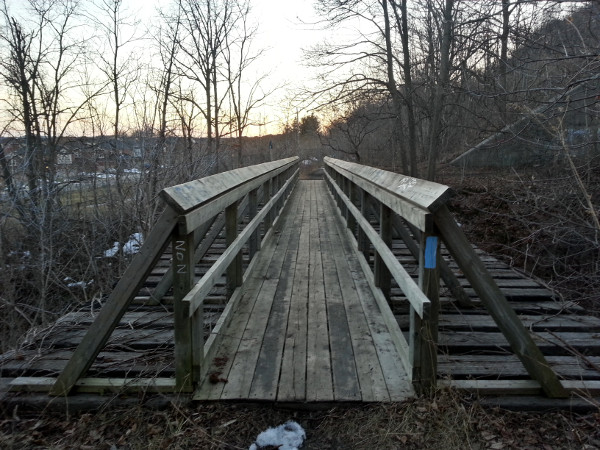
x=445, y=421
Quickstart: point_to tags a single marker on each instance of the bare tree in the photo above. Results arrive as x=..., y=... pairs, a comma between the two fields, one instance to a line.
x=246, y=93
x=47, y=97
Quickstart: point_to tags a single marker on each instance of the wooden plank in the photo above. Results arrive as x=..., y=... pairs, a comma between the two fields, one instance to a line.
x=370, y=375
x=419, y=217
x=189, y=196
x=404, y=280
x=246, y=356
x=508, y=366
x=199, y=215
x=268, y=366
x=254, y=241
x=520, y=387
x=564, y=322
x=497, y=305
x=361, y=237
x=382, y=275
x=117, y=303
x=425, y=194
x=292, y=379
x=132, y=319
x=424, y=331
x=231, y=334
x=225, y=338
x=234, y=269
x=346, y=386
x=97, y=385
x=135, y=339
x=390, y=359
x=399, y=341
x=319, y=383
x=387, y=340
x=552, y=343
x=411, y=198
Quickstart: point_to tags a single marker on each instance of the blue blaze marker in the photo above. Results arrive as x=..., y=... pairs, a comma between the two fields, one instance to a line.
x=431, y=244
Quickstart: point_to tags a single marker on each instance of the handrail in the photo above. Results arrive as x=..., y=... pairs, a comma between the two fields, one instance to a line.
x=413, y=200
x=414, y=294
x=190, y=213
x=422, y=205
x=198, y=202
x=198, y=293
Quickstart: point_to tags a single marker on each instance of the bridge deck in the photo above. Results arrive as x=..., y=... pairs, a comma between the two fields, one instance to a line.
x=307, y=327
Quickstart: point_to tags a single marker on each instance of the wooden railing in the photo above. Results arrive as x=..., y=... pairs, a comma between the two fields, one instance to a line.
x=415, y=210
x=195, y=214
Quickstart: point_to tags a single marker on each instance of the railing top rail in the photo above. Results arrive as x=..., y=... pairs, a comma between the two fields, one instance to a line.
x=185, y=197
x=423, y=194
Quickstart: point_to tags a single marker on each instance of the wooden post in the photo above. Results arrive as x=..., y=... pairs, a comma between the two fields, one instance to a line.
x=234, y=271
x=345, y=189
x=363, y=242
x=350, y=220
x=266, y=197
x=337, y=178
x=495, y=302
x=254, y=242
x=424, y=331
x=383, y=279
x=183, y=280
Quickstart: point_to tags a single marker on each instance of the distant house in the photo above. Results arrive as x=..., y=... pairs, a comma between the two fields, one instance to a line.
x=535, y=139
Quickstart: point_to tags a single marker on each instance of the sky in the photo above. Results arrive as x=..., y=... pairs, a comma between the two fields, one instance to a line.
x=284, y=28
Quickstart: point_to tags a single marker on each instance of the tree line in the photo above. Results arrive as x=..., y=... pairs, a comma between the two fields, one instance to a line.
x=420, y=81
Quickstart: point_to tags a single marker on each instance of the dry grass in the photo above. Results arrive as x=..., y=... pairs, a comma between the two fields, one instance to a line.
x=447, y=421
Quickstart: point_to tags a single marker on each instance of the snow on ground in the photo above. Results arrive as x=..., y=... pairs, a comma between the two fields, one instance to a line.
x=71, y=283
x=289, y=436
x=131, y=247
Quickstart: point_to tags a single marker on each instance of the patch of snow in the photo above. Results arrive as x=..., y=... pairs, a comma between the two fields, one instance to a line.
x=25, y=254
x=132, y=246
x=112, y=251
x=81, y=284
x=289, y=436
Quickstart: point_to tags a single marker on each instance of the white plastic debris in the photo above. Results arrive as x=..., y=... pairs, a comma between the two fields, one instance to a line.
x=289, y=436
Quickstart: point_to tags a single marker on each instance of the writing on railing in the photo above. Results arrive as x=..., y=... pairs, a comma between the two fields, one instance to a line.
x=179, y=256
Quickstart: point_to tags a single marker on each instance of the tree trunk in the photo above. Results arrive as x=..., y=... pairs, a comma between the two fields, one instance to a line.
x=440, y=90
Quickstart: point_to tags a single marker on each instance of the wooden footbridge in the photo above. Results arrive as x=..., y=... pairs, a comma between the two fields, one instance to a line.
x=361, y=287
